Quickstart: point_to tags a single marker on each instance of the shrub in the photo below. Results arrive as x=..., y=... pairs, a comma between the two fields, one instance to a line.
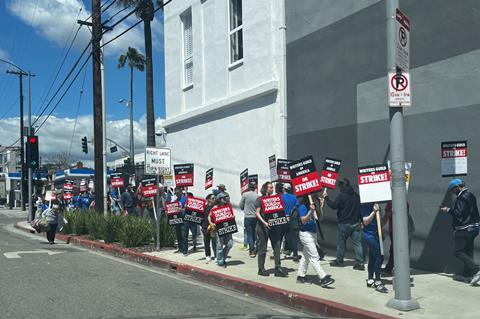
x=167, y=233
x=113, y=224
x=96, y=225
x=79, y=223
x=135, y=231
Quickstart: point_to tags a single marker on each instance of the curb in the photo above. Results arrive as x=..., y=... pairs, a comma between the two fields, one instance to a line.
x=285, y=297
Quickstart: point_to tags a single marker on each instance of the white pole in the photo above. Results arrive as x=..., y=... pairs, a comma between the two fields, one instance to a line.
x=283, y=76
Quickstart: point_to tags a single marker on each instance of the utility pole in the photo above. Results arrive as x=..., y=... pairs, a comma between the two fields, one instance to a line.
x=97, y=104
x=30, y=132
x=20, y=75
x=403, y=299
x=104, y=135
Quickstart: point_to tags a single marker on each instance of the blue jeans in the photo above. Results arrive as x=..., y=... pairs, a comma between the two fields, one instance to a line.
x=192, y=227
x=224, y=244
x=375, y=258
x=179, y=233
x=250, y=224
x=344, y=232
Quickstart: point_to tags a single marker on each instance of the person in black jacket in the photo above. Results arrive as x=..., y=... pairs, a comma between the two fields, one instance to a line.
x=347, y=205
x=465, y=222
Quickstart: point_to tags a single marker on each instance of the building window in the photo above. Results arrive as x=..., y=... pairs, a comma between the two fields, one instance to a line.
x=186, y=18
x=235, y=31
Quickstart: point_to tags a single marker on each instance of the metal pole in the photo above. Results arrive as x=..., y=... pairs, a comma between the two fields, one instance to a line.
x=158, y=213
x=104, y=134
x=403, y=300
x=132, y=147
x=283, y=76
x=22, y=145
x=30, y=208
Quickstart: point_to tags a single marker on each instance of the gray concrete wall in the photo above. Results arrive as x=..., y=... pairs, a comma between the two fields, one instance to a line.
x=336, y=72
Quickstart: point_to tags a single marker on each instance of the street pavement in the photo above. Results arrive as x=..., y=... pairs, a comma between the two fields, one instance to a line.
x=62, y=281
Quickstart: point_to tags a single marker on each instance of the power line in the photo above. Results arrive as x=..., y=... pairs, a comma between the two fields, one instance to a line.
x=60, y=62
x=9, y=108
x=132, y=26
x=76, y=116
x=64, y=93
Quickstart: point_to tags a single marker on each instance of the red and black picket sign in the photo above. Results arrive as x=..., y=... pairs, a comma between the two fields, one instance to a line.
x=183, y=175
x=149, y=187
x=331, y=169
x=305, y=179
x=253, y=179
x=83, y=185
x=209, y=178
x=272, y=165
x=68, y=185
x=274, y=210
x=224, y=219
x=67, y=194
x=194, y=210
x=117, y=180
x=244, y=181
x=174, y=213
x=283, y=171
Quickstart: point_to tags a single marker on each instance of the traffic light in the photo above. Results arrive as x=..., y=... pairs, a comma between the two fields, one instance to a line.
x=32, y=152
x=84, y=145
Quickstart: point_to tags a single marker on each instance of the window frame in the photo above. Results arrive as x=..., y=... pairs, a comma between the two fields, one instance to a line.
x=233, y=64
x=186, y=60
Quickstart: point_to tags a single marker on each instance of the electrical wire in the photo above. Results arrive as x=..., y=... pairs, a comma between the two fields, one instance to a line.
x=134, y=25
x=10, y=108
x=76, y=116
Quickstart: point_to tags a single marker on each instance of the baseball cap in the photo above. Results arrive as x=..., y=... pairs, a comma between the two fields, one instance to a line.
x=454, y=183
x=222, y=195
x=287, y=186
x=222, y=186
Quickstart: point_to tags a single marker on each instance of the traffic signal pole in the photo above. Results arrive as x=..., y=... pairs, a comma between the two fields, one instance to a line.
x=30, y=175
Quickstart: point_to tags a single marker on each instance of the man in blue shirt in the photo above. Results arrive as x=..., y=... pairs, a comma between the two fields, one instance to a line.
x=291, y=203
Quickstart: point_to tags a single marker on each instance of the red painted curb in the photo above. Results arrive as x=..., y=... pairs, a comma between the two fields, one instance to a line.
x=284, y=297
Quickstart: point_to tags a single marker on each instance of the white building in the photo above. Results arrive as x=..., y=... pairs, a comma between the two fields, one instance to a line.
x=224, y=63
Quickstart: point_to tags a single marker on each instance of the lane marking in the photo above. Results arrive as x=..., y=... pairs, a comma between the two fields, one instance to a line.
x=16, y=254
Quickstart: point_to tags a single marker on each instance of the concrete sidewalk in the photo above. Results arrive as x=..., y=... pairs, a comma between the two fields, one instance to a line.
x=438, y=295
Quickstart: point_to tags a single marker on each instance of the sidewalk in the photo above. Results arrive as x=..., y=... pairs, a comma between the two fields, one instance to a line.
x=438, y=295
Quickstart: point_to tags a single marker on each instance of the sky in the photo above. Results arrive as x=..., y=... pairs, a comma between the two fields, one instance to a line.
x=35, y=36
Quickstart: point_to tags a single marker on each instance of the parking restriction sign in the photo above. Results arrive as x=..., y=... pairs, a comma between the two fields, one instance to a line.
x=402, y=53
x=399, y=93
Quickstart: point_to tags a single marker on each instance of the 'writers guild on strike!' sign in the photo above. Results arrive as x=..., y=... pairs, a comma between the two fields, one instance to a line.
x=224, y=220
x=454, y=158
x=274, y=210
x=374, y=184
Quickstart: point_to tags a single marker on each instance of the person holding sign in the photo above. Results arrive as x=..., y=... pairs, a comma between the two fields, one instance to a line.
x=264, y=232
x=465, y=222
x=221, y=219
x=347, y=204
x=180, y=228
x=372, y=235
x=247, y=204
x=209, y=235
x=308, y=238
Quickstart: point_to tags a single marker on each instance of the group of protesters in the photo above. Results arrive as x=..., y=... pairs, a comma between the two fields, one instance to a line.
x=304, y=215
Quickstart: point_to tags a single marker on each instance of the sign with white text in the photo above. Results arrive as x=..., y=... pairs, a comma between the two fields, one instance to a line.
x=274, y=210
x=157, y=161
x=224, y=219
x=183, y=175
x=305, y=179
x=374, y=184
x=454, y=158
x=331, y=168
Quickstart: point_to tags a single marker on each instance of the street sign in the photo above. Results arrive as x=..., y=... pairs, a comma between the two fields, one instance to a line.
x=113, y=149
x=157, y=161
x=399, y=89
x=402, y=52
x=454, y=158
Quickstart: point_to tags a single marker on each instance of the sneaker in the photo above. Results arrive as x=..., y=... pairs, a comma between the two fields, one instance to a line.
x=253, y=255
x=296, y=259
x=300, y=280
x=263, y=272
x=176, y=251
x=224, y=265
x=336, y=264
x=325, y=281
x=280, y=273
x=185, y=254
x=287, y=253
x=380, y=287
x=359, y=267
x=208, y=258
x=475, y=279
x=462, y=278
x=370, y=283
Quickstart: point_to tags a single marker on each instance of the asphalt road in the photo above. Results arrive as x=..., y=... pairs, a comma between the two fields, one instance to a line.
x=76, y=283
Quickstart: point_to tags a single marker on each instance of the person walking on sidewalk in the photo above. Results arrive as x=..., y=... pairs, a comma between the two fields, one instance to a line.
x=291, y=211
x=465, y=222
x=209, y=235
x=127, y=200
x=308, y=238
x=347, y=205
x=190, y=227
x=265, y=232
x=247, y=205
x=371, y=236
x=52, y=216
x=224, y=242
x=182, y=246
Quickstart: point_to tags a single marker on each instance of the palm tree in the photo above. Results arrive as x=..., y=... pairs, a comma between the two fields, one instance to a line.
x=135, y=60
x=145, y=11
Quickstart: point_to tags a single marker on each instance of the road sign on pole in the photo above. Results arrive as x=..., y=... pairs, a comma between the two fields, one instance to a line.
x=157, y=161
x=402, y=53
x=399, y=93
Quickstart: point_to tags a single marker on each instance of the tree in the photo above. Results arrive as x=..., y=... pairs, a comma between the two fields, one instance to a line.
x=145, y=11
x=135, y=61
x=59, y=160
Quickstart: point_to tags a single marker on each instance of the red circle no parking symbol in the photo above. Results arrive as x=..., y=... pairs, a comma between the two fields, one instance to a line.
x=399, y=82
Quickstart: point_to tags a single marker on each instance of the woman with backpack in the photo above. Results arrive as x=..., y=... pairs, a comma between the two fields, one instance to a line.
x=52, y=216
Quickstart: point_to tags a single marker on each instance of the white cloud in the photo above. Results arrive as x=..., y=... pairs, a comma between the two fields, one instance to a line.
x=54, y=19
x=4, y=54
x=56, y=135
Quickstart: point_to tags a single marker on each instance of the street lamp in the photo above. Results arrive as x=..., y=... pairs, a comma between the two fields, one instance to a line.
x=132, y=152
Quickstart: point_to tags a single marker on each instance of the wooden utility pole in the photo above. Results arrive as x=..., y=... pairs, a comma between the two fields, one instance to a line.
x=97, y=105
